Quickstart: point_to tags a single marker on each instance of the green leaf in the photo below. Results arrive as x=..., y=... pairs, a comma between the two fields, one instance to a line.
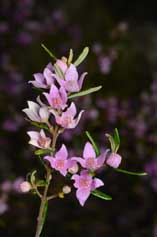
x=97, y=151
x=32, y=177
x=85, y=92
x=111, y=140
x=82, y=56
x=49, y=52
x=40, y=125
x=114, y=140
x=130, y=172
x=41, y=183
x=101, y=195
x=70, y=57
x=42, y=152
x=43, y=216
x=58, y=71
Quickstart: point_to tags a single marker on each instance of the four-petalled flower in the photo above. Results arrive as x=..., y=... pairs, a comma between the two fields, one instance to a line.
x=39, y=139
x=89, y=160
x=57, y=98
x=60, y=161
x=85, y=183
x=44, y=80
x=71, y=81
x=36, y=112
x=66, y=119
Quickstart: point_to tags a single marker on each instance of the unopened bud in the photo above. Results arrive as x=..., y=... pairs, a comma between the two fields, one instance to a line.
x=66, y=189
x=25, y=187
x=74, y=169
x=114, y=160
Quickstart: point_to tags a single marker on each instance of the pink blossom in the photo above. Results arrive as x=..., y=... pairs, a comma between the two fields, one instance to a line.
x=89, y=160
x=39, y=139
x=57, y=98
x=25, y=187
x=72, y=83
x=46, y=79
x=36, y=112
x=66, y=119
x=114, y=160
x=60, y=161
x=85, y=184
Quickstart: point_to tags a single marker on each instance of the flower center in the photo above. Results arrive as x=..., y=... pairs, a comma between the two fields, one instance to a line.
x=67, y=120
x=42, y=141
x=90, y=162
x=84, y=183
x=56, y=101
x=60, y=164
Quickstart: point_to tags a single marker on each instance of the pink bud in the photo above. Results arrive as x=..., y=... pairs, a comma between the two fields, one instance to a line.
x=114, y=160
x=66, y=189
x=25, y=187
x=74, y=169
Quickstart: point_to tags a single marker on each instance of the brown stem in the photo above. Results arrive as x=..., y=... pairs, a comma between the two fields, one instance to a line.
x=43, y=202
x=44, y=198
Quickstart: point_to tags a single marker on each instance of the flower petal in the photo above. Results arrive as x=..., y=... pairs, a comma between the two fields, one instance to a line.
x=88, y=151
x=62, y=153
x=82, y=195
x=71, y=73
x=97, y=183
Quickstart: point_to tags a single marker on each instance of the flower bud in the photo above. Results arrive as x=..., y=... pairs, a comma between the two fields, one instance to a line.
x=66, y=189
x=114, y=160
x=74, y=169
x=25, y=187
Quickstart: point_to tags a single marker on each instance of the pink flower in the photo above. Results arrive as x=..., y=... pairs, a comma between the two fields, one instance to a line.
x=72, y=83
x=36, y=112
x=85, y=184
x=89, y=160
x=39, y=139
x=57, y=98
x=66, y=119
x=44, y=80
x=114, y=160
x=60, y=161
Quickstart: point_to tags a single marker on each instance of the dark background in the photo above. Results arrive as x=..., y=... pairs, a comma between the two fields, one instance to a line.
x=122, y=38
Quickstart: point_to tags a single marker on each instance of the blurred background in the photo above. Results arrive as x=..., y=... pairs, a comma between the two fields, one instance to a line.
x=122, y=37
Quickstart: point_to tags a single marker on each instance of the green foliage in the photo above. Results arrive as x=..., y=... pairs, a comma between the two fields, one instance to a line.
x=82, y=56
x=70, y=58
x=130, y=172
x=101, y=195
x=58, y=71
x=114, y=140
x=49, y=52
x=85, y=92
x=97, y=151
x=42, y=152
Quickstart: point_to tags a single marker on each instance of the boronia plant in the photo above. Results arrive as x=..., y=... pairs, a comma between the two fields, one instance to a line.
x=53, y=112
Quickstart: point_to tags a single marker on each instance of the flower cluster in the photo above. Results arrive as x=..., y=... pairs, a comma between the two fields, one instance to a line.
x=54, y=114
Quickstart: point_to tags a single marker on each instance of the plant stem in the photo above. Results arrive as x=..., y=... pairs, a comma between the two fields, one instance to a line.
x=43, y=203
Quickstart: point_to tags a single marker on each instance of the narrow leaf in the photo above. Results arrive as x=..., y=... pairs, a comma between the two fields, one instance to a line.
x=97, y=151
x=101, y=195
x=116, y=139
x=58, y=71
x=85, y=92
x=49, y=52
x=43, y=217
x=40, y=125
x=32, y=177
x=82, y=56
x=112, y=142
x=70, y=57
x=130, y=172
x=42, y=152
